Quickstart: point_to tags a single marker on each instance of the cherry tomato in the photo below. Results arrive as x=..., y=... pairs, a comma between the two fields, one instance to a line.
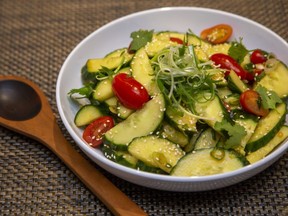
x=217, y=34
x=250, y=102
x=258, y=57
x=228, y=63
x=129, y=91
x=176, y=40
x=94, y=132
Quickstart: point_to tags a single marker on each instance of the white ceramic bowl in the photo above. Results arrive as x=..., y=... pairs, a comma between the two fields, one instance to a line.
x=116, y=34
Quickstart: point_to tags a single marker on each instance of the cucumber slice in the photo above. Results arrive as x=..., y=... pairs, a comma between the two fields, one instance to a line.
x=156, y=152
x=111, y=103
x=140, y=123
x=159, y=42
x=201, y=163
x=103, y=90
x=249, y=122
x=183, y=121
x=190, y=146
x=91, y=68
x=121, y=52
x=94, y=65
x=146, y=168
x=86, y=115
x=235, y=83
x=224, y=92
x=121, y=157
x=269, y=147
x=200, y=47
x=123, y=112
x=212, y=111
x=171, y=133
x=208, y=139
x=267, y=128
x=276, y=79
x=142, y=70
x=204, y=49
x=218, y=77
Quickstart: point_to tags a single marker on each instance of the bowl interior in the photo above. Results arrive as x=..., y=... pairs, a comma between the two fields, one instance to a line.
x=116, y=35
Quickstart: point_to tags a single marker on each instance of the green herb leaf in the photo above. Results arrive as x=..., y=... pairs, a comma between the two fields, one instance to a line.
x=85, y=91
x=233, y=133
x=238, y=51
x=140, y=39
x=104, y=73
x=269, y=99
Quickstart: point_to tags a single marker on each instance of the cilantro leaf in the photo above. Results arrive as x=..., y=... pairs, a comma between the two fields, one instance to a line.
x=140, y=39
x=269, y=99
x=233, y=133
x=237, y=51
x=85, y=91
x=104, y=72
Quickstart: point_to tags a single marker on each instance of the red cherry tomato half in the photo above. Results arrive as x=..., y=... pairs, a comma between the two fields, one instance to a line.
x=228, y=63
x=176, y=40
x=94, y=132
x=258, y=57
x=217, y=34
x=129, y=91
x=250, y=102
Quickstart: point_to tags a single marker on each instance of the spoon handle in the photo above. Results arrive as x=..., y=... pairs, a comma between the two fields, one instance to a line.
x=43, y=128
x=107, y=192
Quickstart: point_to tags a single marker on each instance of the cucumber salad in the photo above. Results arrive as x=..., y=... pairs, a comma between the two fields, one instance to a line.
x=183, y=105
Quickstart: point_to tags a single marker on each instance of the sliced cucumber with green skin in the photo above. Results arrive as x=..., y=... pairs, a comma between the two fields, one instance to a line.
x=267, y=128
x=111, y=103
x=235, y=83
x=159, y=42
x=269, y=147
x=171, y=133
x=123, y=112
x=140, y=123
x=224, y=92
x=156, y=152
x=142, y=70
x=207, y=139
x=232, y=101
x=103, y=90
x=182, y=120
x=190, y=146
x=121, y=52
x=249, y=122
x=211, y=111
x=204, y=49
x=94, y=65
x=90, y=70
x=146, y=168
x=121, y=157
x=202, y=163
x=200, y=47
x=218, y=77
x=86, y=115
x=276, y=79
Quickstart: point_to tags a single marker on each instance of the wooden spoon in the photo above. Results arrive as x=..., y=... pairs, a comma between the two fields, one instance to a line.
x=25, y=109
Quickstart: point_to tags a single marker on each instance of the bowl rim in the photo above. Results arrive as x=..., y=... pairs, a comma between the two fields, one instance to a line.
x=168, y=178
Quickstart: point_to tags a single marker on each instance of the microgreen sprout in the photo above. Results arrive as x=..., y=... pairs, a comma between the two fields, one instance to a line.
x=184, y=80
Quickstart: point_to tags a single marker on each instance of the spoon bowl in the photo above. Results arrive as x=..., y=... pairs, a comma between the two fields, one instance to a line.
x=18, y=101
x=25, y=109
